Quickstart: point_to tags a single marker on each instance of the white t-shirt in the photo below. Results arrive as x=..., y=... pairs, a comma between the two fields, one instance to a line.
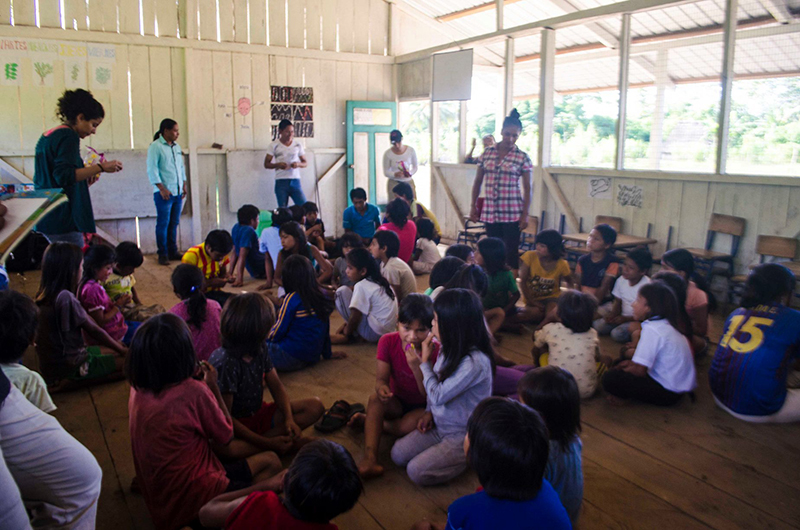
x=574, y=352
x=628, y=293
x=31, y=384
x=391, y=163
x=270, y=243
x=430, y=254
x=287, y=154
x=397, y=272
x=667, y=355
x=373, y=302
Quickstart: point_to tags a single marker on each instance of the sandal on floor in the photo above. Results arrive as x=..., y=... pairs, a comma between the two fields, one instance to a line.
x=338, y=416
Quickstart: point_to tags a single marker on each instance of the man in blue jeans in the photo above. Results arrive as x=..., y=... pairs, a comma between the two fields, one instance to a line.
x=167, y=174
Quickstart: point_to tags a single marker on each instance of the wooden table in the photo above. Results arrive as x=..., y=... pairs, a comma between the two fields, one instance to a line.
x=623, y=240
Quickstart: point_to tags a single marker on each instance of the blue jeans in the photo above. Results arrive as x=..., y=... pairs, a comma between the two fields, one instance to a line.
x=285, y=188
x=169, y=215
x=282, y=361
x=132, y=327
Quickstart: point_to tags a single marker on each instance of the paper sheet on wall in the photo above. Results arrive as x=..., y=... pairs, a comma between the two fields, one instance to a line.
x=599, y=188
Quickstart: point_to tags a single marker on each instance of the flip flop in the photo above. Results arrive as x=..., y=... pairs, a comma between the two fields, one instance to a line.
x=337, y=416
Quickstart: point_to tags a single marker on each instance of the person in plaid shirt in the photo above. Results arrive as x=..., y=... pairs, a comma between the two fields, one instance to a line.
x=505, y=209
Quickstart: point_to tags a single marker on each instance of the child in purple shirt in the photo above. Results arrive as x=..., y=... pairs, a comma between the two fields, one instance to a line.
x=201, y=314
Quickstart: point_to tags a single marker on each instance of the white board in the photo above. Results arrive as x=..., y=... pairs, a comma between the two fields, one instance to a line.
x=452, y=76
x=126, y=194
x=250, y=183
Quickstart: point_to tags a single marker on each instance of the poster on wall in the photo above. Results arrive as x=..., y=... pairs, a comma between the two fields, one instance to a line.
x=12, y=71
x=599, y=188
x=294, y=104
x=43, y=71
x=101, y=76
x=74, y=74
x=630, y=196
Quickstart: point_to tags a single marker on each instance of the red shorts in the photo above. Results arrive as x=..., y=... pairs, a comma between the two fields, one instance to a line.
x=261, y=421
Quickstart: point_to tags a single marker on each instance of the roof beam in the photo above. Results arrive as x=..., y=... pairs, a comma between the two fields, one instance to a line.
x=532, y=28
x=778, y=9
x=480, y=8
x=605, y=37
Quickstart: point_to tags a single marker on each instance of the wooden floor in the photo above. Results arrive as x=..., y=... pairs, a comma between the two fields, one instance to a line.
x=691, y=466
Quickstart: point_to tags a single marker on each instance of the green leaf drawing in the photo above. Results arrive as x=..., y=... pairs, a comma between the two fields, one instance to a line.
x=75, y=71
x=42, y=70
x=102, y=75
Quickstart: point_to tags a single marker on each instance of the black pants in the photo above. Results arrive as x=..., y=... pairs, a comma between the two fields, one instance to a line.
x=509, y=233
x=625, y=385
x=219, y=296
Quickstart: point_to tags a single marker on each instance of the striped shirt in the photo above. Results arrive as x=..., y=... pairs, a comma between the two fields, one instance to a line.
x=198, y=257
x=299, y=332
x=503, y=202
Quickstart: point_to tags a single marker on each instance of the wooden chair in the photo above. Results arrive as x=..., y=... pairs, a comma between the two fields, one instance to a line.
x=528, y=236
x=473, y=230
x=705, y=259
x=768, y=246
x=613, y=222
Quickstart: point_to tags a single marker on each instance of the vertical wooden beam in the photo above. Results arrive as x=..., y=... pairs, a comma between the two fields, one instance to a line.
x=729, y=43
x=624, y=61
x=546, y=74
x=434, y=132
x=508, y=77
x=500, y=4
x=462, y=131
x=657, y=127
x=192, y=125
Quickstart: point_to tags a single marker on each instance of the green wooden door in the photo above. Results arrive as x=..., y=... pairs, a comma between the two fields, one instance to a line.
x=368, y=126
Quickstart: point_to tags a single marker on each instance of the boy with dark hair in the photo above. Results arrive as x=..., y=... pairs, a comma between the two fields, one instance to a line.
x=418, y=211
x=361, y=217
x=315, y=229
x=298, y=213
x=247, y=253
x=122, y=284
x=596, y=271
x=384, y=247
x=507, y=446
x=19, y=318
x=399, y=399
x=269, y=244
x=211, y=257
x=617, y=317
x=321, y=483
x=347, y=242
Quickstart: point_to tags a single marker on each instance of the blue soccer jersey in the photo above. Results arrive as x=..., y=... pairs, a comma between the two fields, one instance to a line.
x=758, y=345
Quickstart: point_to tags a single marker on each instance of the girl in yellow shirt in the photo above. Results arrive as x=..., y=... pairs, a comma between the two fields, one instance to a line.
x=541, y=272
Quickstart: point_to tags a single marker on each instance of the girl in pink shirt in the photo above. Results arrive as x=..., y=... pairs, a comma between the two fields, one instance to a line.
x=98, y=264
x=397, y=222
x=201, y=314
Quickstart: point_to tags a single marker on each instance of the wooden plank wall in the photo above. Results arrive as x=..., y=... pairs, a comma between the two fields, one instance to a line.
x=685, y=206
x=155, y=77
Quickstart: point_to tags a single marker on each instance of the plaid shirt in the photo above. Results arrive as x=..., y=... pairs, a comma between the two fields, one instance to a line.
x=503, y=202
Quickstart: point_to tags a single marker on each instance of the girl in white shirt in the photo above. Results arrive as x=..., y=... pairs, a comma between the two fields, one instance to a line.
x=369, y=308
x=662, y=368
x=399, y=163
x=286, y=156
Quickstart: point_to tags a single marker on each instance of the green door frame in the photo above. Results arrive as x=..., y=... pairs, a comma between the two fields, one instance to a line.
x=370, y=130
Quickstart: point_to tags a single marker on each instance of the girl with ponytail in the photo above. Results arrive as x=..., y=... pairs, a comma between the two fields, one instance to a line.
x=201, y=314
x=167, y=174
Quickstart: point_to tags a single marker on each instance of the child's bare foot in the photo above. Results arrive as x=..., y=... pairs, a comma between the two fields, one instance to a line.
x=614, y=400
x=370, y=469
x=339, y=339
x=357, y=421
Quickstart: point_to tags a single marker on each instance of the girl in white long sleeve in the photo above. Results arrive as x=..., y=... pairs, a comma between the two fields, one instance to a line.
x=399, y=163
x=455, y=384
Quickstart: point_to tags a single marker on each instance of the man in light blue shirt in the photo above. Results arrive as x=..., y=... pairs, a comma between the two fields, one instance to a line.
x=362, y=218
x=167, y=174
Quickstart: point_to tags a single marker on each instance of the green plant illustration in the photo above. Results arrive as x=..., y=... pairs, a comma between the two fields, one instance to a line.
x=42, y=70
x=75, y=71
x=102, y=75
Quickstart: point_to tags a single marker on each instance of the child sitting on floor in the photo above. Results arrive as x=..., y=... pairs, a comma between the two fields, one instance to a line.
x=369, y=308
x=321, y=483
x=302, y=333
x=211, y=257
x=571, y=343
x=18, y=320
x=502, y=293
x=63, y=356
x=541, y=272
x=293, y=242
x=269, y=243
x=244, y=368
x=98, y=264
x=618, y=319
x=200, y=314
x=177, y=420
x=596, y=271
x=315, y=228
x=459, y=379
x=507, y=446
x=121, y=282
x=426, y=255
x=443, y=272
x=463, y=252
x=384, y=248
x=553, y=393
x=399, y=399
x=662, y=368
x=347, y=242
x=246, y=251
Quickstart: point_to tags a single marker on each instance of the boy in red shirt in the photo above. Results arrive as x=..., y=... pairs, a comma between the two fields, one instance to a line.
x=321, y=483
x=399, y=399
